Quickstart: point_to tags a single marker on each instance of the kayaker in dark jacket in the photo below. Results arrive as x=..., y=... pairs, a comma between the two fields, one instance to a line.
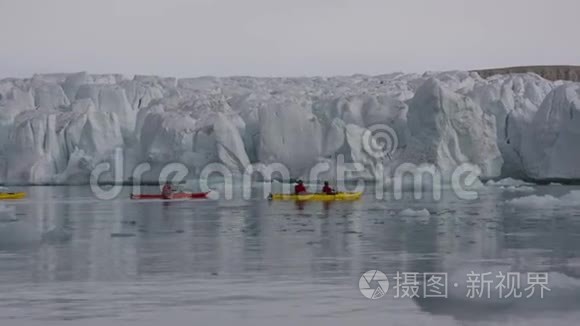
x=167, y=190
x=300, y=188
x=327, y=189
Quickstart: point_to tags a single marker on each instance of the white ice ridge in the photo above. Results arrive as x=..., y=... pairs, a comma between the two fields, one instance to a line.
x=56, y=128
x=572, y=199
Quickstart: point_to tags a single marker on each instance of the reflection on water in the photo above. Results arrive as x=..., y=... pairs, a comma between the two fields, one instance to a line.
x=66, y=255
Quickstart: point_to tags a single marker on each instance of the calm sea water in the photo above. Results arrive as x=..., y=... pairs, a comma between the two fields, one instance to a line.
x=68, y=258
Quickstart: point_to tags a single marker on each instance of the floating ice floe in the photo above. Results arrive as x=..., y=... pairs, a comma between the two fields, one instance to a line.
x=518, y=189
x=415, y=213
x=547, y=201
x=507, y=182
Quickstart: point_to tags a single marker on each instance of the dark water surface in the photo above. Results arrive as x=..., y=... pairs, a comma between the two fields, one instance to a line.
x=68, y=258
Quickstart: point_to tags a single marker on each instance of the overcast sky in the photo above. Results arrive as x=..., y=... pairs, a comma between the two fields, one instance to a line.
x=283, y=37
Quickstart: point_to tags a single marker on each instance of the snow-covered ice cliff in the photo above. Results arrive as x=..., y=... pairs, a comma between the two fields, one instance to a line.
x=55, y=128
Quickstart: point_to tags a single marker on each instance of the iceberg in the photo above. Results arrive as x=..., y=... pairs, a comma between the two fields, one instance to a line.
x=56, y=128
x=448, y=129
x=550, y=144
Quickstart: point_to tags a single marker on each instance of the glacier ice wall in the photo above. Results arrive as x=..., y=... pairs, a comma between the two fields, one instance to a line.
x=56, y=128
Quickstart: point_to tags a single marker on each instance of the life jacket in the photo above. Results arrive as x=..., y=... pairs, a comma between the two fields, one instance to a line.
x=327, y=190
x=167, y=190
x=299, y=188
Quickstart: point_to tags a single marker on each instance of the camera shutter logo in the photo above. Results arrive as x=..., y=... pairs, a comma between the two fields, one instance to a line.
x=373, y=284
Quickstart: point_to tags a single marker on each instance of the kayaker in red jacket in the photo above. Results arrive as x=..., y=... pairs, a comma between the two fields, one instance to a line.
x=299, y=188
x=167, y=190
x=327, y=189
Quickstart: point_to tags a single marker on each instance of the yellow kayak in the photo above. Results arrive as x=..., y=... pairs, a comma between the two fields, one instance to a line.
x=341, y=196
x=12, y=195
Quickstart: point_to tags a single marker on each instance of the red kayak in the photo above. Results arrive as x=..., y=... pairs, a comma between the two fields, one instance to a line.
x=177, y=195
